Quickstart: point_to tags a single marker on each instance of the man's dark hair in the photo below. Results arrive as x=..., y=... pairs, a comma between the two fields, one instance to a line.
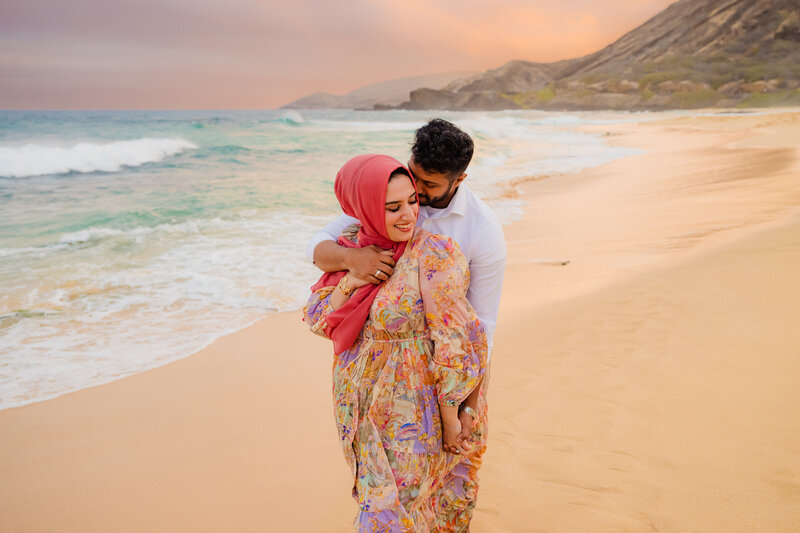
x=439, y=146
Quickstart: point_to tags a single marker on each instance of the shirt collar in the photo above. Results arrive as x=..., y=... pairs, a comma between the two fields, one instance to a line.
x=457, y=205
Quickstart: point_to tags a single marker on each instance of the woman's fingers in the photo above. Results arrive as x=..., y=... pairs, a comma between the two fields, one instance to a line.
x=357, y=283
x=464, y=445
x=461, y=446
x=452, y=447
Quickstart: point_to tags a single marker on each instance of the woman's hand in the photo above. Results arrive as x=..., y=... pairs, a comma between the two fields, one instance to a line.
x=354, y=282
x=344, y=289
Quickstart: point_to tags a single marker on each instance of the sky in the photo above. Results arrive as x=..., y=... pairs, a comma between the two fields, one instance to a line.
x=261, y=54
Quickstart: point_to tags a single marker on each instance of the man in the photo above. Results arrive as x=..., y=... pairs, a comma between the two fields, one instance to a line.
x=439, y=159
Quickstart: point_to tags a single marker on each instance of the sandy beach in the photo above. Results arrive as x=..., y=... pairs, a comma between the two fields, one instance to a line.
x=644, y=375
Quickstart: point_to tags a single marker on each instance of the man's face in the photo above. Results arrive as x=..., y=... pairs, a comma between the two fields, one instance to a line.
x=435, y=189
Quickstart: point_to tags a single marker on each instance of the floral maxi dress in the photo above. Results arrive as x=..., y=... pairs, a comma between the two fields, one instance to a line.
x=422, y=343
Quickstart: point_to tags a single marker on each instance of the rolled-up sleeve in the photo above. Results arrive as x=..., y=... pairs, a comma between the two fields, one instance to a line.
x=330, y=232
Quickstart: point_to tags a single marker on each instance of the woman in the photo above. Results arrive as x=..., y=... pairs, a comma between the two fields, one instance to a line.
x=408, y=353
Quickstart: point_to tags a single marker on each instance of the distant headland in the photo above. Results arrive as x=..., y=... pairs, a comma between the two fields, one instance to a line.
x=694, y=54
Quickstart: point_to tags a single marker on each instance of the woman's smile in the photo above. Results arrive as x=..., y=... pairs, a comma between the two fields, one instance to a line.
x=401, y=207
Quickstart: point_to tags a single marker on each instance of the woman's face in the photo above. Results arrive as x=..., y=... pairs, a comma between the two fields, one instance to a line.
x=401, y=208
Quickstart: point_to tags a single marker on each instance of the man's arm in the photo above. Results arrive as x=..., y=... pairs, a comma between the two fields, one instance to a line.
x=486, y=269
x=363, y=263
x=330, y=232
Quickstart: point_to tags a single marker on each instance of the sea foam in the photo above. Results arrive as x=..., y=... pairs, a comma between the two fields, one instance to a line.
x=37, y=160
x=103, y=314
x=101, y=279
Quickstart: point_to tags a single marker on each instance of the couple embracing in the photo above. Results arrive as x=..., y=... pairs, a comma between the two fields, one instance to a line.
x=410, y=297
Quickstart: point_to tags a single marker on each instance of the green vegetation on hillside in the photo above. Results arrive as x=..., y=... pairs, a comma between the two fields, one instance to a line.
x=781, y=99
x=721, y=69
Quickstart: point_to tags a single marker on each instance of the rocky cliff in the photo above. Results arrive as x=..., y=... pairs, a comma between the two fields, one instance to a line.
x=695, y=53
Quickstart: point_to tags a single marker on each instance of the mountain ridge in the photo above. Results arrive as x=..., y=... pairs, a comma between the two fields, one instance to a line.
x=385, y=93
x=694, y=53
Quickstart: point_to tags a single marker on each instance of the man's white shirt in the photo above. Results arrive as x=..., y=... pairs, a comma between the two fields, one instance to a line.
x=474, y=226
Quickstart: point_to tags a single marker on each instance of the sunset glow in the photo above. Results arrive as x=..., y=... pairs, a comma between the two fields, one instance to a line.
x=250, y=54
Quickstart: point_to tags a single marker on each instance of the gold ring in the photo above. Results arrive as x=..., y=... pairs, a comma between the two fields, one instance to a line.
x=378, y=273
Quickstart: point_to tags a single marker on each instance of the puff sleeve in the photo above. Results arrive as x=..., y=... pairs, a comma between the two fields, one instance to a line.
x=317, y=308
x=459, y=339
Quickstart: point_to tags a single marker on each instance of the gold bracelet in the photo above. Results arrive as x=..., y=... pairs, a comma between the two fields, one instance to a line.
x=342, y=286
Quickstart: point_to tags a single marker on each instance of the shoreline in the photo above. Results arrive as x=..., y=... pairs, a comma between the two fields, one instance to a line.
x=66, y=362
x=96, y=370
x=240, y=435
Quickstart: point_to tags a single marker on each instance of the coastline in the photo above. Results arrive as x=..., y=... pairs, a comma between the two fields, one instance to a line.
x=82, y=287
x=240, y=434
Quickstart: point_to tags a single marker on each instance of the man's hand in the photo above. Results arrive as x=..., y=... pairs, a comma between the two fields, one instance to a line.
x=371, y=263
x=466, y=427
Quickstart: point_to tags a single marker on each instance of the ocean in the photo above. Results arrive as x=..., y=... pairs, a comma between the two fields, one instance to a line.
x=132, y=239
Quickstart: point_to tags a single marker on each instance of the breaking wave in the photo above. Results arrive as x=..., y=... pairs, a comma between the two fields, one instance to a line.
x=37, y=160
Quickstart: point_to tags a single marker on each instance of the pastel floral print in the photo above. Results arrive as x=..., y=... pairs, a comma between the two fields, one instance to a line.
x=422, y=344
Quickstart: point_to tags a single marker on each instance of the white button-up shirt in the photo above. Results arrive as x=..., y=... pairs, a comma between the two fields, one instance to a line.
x=474, y=226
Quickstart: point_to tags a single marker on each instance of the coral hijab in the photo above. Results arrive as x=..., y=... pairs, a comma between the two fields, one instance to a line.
x=361, y=190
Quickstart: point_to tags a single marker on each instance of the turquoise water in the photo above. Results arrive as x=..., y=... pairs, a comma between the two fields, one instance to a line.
x=131, y=239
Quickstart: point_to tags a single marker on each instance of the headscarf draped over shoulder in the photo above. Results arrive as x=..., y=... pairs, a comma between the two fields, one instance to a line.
x=361, y=190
